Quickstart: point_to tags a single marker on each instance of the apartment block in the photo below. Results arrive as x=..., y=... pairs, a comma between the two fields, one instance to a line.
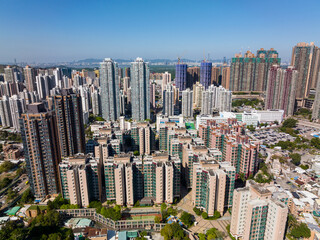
x=257, y=214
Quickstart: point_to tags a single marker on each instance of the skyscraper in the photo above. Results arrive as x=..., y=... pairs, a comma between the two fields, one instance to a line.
x=30, y=78
x=181, y=76
x=316, y=103
x=205, y=74
x=42, y=155
x=225, y=81
x=256, y=214
x=5, y=112
x=17, y=107
x=249, y=73
x=168, y=100
x=197, y=95
x=187, y=103
x=109, y=90
x=153, y=94
x=193, y=76
x=306, y=59
x=281, y=89
x=9, y=74
x=216, y=99
x=140, y=90
x=70, y=129
x=166, y=78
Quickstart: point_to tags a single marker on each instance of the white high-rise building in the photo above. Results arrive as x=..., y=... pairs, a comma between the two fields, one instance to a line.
x=168, y=100
x=58, y=77
x=140, y=90
x=110, y=90
x=187, y=106
x=17, y=107
x=216, y=99
x=166, y=78
x=5, y=112
x=197, y=95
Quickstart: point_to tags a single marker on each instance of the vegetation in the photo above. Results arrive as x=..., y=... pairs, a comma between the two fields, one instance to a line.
x=5, y=182
x=57, y=202
x=69, y=206
x=246, y=102
x=297, y=230
x=136, y=153
x=9, y=136
x=7, y=166
x=93, y=118
x=112, y=213
x=173, y=231
x=304, y=167
x=88, y=133
x=215, y=216
x=27, y=197
x=296, y=158
x=187, y=219
x=304, y=112
x=228, y=229
x=212, y=233
x=142, y=235
x=109, y=212
x=251, y=128
x=42, y=227
x=11, y=194
x=197, y=211
x=290, y=123
x=157, y=219
x=315, y=142
x=264, y=176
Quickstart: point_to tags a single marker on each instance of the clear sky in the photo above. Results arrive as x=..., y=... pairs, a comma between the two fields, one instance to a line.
x=66, y=30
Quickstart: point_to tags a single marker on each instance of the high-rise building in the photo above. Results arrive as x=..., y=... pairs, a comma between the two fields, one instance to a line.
x=110, y=90
x=96, y=102
x=166, y=78
x=281, y=89
x=216, y=99
x=168, y=100
x=249, y=73
x=140, y=90
x=70, y=126
x=181, y=77
x=5, y=112
x=81, y=179
x=205, y=74
x=42, y=153
x=44, y=84
x=316, y=103
x=30, y=78
x=216, y=76
x=197, y=95
x=193, y=76
x=17, y=107
x=256, y=214
x=153, y=94
x=187, y=103
x=9, y=74
x=306, y=60
x=58, y=77
x=225, y=81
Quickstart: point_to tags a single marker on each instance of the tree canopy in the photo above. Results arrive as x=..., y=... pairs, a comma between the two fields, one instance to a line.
x=172, y=231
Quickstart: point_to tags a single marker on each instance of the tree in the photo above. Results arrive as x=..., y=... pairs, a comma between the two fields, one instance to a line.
x=7, y=166
x=289, y=123
x=216, y=214
x=296, y=158
x=157, y=219
x=204, y=215
x=315, y=142
x=136, y=153
x=187, y=219
x=197, y=211
x=163, y=207
x=27, y=197
x=171, y=231
x=300, y=230
x=202, y=236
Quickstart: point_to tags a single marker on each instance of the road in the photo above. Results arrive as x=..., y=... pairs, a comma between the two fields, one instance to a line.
x=186, y=205
x=309, y=124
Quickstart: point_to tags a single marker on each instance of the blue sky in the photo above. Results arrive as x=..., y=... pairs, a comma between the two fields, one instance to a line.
x=66, y=30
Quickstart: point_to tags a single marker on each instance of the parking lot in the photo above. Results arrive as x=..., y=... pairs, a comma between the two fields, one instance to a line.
x=270, y=136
